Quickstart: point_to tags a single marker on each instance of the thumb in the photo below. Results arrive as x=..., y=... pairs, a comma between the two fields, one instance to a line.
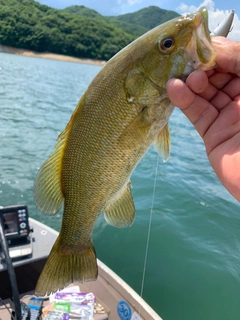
x=227, y=54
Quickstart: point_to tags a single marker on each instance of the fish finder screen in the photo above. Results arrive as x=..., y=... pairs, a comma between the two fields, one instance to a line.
x=10, y=224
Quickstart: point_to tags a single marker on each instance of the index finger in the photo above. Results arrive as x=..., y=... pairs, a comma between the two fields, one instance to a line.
x=197, y=109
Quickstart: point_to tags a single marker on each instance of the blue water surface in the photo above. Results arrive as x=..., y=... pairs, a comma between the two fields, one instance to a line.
x=193, y=261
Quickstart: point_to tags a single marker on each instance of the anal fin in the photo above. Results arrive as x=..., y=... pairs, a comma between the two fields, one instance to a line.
x=163, y=143
x=120, y=212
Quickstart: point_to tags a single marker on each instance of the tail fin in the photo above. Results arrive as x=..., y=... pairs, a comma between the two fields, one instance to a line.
x=63, y=268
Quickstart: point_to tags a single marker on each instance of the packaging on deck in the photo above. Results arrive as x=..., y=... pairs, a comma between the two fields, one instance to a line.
x=78, y=305
x=85, y=298
x=56, y=315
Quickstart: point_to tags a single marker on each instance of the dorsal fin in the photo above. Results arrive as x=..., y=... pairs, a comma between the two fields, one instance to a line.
x=163, y=143
x=47, y=188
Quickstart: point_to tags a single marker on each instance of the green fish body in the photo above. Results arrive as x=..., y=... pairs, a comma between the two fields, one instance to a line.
x=122, y=113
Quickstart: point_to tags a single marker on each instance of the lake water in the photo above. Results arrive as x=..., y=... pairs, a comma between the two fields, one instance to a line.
x=193, y=263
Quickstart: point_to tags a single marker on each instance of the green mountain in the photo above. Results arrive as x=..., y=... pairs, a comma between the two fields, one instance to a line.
x=148, y=17
x=136, y=23
x=83, y=11
x=130, y=28
x=76, y=31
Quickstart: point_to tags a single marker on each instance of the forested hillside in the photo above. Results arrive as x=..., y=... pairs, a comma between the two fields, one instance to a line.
x=76, y=31
x=148, y=17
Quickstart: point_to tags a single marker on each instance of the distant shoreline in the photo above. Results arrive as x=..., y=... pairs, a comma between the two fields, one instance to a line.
x=52, y=56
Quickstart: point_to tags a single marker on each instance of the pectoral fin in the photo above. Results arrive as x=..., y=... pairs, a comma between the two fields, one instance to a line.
x=135, y=133
x=121, y=211
x=163, y=143
x=142, y=95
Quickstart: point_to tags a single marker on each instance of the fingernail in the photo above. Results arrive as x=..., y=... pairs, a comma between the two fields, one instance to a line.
x=219, y=41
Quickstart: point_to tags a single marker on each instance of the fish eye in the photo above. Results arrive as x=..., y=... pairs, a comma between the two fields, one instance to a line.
x=166, y=44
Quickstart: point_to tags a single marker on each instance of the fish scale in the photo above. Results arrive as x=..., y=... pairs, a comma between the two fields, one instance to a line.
x=122, y=113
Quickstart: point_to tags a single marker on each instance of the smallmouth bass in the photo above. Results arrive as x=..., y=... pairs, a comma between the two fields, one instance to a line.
x=122, y=113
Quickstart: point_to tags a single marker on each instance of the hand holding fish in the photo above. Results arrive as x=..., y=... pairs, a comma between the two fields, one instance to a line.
x=211, y=101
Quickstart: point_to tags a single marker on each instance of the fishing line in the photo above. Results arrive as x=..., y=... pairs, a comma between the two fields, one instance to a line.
x=149, y=230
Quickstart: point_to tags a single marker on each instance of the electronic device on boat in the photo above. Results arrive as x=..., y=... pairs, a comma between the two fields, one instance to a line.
x=15, y=221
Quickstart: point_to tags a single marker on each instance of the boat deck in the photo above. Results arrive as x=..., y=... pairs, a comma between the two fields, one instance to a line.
x=102, y=311
x=109, y=289
x=28, y=269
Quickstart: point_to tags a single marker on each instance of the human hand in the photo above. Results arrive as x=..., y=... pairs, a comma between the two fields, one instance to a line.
x=211, y=101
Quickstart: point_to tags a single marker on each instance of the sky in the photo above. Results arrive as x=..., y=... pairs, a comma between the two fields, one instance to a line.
x=217, y=10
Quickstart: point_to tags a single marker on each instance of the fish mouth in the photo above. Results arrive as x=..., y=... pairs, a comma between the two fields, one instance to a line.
x=199, y=48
